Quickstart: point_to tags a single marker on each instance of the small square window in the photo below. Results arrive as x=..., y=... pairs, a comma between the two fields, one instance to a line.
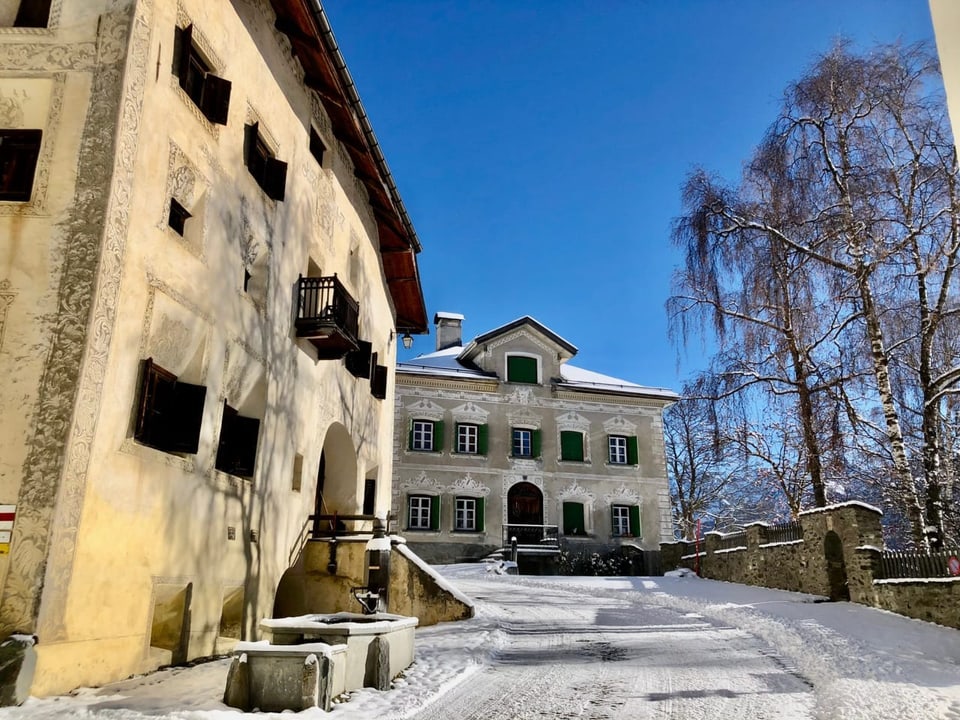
x=178, y=217
x=33, y=14
x=19, y=150
x=317, y=148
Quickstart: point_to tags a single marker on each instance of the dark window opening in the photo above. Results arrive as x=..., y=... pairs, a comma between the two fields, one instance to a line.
x=178, y=217
x=19, y=150
x=246, y=280
x=237, y=452
x=33, y=13
x=317, y=148
x=369, y=495
x=378, y=381
x=169, y=412
x=270, y=173
x=207, y=91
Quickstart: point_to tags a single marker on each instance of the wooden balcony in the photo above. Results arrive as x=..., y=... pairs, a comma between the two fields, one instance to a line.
x=327, y=316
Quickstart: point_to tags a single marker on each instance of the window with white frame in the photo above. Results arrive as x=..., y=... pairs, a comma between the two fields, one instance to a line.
x=419, y=517
x=621, y=520
x=618, y=450
x=467, y=438
x=522, y=442
x=465, y=514
x=422, y=435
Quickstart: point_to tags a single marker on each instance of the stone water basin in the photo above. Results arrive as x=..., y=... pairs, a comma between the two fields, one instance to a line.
x=306, y=661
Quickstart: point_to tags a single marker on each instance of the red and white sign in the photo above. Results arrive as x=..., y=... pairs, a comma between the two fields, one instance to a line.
x=953, y=565
x=8, y=513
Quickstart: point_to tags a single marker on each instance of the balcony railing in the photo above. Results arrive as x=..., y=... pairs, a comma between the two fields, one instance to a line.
x=327, y=316
x=532, y=538
x=337, y=525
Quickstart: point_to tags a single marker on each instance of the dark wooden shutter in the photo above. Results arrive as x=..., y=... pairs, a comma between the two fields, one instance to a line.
x=33, y=14
x=275, y=178
x=410, y=437
x=155, y=401
x=633, y=454
x=573, y=522
x=535, y=443
x=635, y=529
x=186, y=417
x=438, y=436
x=358, y=361
x=182, y=43
x=483, y=434
x=571, y=445
x=521, y=369
x=250, y=133
x=378, y=383
x=246, y=435
x=215, y=99
x=435, y=512
x=479, y=507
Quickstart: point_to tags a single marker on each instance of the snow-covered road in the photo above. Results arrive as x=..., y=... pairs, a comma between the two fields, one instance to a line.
x=591, y=648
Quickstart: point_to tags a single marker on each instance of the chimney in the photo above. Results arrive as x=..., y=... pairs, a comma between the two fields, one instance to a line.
x=448, y=329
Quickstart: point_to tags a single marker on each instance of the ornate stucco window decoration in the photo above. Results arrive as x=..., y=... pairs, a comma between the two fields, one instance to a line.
x=622, y=443
x=573, y=438
x=469, y=498
x=425, y=427
x=625, y=514
x=471, y=432
x=576, y=511
x=194, y=70
x=420, y=497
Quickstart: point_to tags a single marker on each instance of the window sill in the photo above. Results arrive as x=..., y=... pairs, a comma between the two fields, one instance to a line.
x=467, y=532
x=621, y=465
x=561, y=461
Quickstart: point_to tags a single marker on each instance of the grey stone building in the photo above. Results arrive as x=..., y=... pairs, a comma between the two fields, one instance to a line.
x=502, y=437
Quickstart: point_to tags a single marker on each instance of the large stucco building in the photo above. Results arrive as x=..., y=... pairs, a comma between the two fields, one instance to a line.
x=205, y=267
x=501, y=437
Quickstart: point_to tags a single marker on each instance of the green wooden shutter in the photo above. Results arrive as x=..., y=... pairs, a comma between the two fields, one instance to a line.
x=438, y=436
x=571, y=445
x=480, y=502
x=482, y=435
x=535, y=443
x=635, y=529
x=633, y=454
x=410, y=437
x=613, y=521
x=435, y=512
x=573, y=522
x=521, y=369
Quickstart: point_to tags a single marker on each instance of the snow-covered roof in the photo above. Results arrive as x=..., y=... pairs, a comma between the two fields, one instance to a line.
x=443, y=363
x=579, y=379
x=446, y=363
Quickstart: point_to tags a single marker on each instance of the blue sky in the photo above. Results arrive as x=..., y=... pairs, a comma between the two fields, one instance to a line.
x=540, y=147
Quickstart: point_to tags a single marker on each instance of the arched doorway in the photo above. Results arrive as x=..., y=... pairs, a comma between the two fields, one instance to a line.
x=337, y=477
x=525, y=513
x=836, y=569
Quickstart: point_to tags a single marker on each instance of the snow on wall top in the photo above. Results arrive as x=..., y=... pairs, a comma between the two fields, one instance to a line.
x=849, y=503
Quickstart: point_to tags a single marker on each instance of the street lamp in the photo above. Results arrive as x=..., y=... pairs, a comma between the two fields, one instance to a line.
x=407, y=341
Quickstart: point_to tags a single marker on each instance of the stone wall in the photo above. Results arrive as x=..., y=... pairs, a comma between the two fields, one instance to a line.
x=838, y=557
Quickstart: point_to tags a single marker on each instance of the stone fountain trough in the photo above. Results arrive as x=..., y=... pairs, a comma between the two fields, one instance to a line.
x=309, y=660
